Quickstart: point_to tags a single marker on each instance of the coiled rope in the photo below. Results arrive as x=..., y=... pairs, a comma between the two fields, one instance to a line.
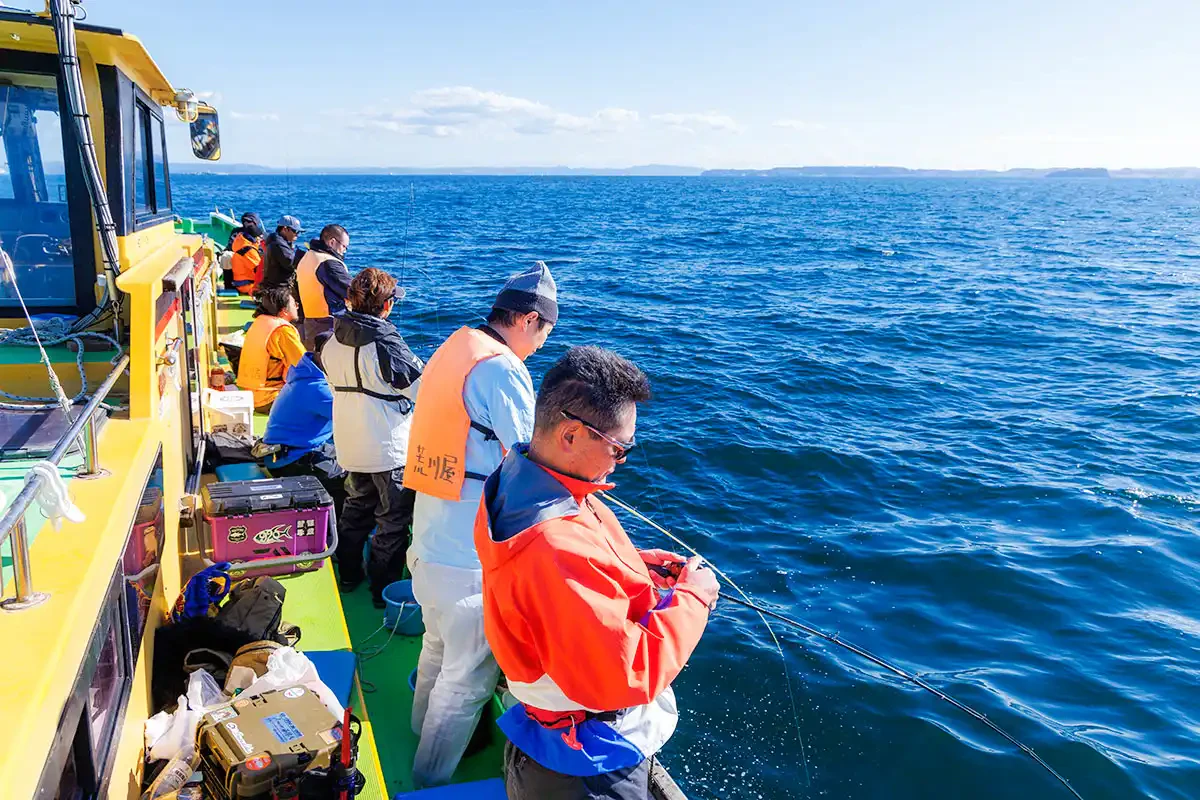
x=53, y=331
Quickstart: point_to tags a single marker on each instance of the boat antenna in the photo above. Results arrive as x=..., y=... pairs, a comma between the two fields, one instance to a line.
x=834, y=638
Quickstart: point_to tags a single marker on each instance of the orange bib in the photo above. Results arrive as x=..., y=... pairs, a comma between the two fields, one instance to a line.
x=312, y=293
x=437, y=444
x=254, y=369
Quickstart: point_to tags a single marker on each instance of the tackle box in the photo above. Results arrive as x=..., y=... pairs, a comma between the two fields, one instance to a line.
x=252, y=745
x=267, y=518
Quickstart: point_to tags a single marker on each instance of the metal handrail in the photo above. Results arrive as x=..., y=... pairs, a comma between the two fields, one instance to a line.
x=13, y=522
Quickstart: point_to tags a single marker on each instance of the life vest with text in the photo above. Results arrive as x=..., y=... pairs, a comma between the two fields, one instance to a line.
x=437, y=445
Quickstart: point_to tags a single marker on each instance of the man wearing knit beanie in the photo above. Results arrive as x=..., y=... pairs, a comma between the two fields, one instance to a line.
x=474, y=403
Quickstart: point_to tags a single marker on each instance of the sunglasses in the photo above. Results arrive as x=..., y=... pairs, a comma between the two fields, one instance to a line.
x=623, y=448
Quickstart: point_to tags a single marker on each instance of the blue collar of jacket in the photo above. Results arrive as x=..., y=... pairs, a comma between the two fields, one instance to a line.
x=523, y=493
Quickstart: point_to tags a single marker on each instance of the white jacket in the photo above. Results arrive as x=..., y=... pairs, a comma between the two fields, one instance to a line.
x=374, y=378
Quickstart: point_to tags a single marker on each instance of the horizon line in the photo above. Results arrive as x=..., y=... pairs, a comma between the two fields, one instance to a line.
x=680, y=169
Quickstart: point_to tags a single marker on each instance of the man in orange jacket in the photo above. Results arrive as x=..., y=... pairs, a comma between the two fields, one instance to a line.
x=588, y=637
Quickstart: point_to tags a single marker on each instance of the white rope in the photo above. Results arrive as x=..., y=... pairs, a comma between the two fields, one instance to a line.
x=53, y=497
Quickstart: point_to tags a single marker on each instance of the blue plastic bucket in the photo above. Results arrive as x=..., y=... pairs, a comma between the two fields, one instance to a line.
x=402, y=614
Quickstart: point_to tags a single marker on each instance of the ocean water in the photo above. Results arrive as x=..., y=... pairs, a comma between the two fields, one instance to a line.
x=954, y=421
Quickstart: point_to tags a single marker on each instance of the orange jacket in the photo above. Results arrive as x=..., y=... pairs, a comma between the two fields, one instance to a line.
x=575, y=620
x=246, y=263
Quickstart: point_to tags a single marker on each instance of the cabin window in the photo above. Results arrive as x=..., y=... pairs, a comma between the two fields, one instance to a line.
x=151, y=185
x=143, y=552
x=35, y=225
x=162, y=191
x=141, y=170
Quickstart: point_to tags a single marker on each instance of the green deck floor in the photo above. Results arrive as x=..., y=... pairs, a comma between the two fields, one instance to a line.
x=390, y=703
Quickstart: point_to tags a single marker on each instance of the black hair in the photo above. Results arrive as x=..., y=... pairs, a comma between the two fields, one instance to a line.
x=272, y=300
x=506, y=319
x=336, y=231
x=592, y=383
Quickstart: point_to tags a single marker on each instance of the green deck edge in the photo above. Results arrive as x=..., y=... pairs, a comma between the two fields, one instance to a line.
x=20, y=354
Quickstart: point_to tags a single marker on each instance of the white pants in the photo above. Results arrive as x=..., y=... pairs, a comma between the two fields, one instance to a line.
x=456, y=674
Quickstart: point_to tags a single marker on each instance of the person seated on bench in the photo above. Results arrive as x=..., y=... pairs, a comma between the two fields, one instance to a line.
x=246, y=258
x=272, y=345
x=301, y=425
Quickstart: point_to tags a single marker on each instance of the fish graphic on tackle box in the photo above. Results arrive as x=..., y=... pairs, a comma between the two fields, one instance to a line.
x=267, y=518
x=253, y=743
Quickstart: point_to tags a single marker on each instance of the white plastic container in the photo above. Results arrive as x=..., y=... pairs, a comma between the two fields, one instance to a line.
x=230, y=412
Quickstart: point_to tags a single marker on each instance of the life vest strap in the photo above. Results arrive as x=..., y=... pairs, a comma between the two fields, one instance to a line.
x=489, y=435
x=566, y=719
x=406, y=405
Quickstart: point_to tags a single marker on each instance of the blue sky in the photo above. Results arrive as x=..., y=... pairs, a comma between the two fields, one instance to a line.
x=923, y=83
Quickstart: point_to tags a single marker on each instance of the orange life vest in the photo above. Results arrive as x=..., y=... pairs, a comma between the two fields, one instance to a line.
x=246, y=264
x=437, y=444
x=312, y=293
x=258, y=369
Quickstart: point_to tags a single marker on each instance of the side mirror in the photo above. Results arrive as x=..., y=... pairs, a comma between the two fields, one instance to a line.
x=206, y=134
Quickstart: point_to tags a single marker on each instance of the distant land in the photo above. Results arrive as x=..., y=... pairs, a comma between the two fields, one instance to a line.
x=905, y=172
x=668, y=170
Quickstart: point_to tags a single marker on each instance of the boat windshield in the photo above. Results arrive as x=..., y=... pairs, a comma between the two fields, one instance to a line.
x=35, y=227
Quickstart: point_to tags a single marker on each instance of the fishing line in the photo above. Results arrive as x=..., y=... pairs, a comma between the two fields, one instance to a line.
x=779, y=647
x=833, y=638
x=412, y=196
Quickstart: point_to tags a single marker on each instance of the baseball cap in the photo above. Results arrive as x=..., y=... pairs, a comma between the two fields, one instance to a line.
x=288, y=221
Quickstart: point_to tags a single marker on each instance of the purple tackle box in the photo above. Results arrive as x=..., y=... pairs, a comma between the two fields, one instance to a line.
x=267, y=518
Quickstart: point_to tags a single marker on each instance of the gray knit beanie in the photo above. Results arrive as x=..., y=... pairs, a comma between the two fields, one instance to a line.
x=531, y=290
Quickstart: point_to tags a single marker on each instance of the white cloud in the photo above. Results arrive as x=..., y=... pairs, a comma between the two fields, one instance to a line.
x=798, y=125
x=694, y=123
x=450, y=110
x=210, y=96
x=254, y=117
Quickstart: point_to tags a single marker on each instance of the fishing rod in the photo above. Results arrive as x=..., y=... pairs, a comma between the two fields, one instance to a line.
x=833, y=638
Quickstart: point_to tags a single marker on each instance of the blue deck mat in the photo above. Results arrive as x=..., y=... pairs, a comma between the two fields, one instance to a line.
x=336, y=670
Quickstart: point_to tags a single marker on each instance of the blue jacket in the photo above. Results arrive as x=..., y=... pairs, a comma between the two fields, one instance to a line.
x=302, y=417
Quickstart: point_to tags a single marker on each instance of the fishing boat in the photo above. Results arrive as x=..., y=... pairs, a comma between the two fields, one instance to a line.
x=112, y=311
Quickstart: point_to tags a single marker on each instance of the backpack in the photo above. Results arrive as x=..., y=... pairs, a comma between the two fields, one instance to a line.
x=255, y=607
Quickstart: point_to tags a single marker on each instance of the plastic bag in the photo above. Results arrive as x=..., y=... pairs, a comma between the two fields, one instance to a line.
x=173, y=733
x=285, y=668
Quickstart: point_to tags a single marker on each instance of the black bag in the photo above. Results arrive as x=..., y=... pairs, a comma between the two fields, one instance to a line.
x=255, y=607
